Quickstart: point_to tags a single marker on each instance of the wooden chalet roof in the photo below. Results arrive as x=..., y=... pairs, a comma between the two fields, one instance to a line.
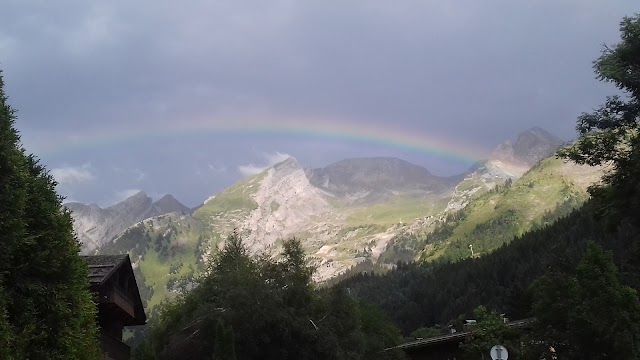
x=102, y=266
x=105, y=268
x=459, y=336
x=455, y=337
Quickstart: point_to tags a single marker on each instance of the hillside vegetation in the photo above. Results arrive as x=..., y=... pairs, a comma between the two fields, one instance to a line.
x=271, y=311
x=551, y=189
x=169, y=251
x=493, y=219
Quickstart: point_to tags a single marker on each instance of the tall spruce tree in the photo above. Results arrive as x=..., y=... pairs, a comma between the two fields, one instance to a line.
x=46, y=309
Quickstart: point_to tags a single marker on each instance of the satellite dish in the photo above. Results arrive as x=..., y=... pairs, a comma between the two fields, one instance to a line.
x=499, y=352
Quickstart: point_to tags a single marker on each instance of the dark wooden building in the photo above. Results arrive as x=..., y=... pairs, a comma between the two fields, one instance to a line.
x=116, y=294
x=445, y=347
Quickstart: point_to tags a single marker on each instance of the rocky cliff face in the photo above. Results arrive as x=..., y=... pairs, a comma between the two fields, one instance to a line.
x=95, y=226
x=287, y=204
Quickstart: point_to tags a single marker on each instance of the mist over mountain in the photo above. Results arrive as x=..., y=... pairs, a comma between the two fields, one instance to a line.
x=530, y=147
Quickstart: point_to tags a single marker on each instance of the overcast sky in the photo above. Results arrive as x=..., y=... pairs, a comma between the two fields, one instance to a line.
x=117, y=96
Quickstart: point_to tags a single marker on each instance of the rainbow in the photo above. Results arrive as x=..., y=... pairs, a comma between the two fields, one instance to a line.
x=305, y=129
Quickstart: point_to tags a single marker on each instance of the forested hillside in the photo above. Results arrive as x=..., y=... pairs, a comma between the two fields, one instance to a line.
x=423, y=294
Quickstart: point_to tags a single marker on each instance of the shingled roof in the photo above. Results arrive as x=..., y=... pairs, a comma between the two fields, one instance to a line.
x=102, y=266
x=455, y=337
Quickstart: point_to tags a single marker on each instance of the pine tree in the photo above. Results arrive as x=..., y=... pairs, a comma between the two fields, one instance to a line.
x=46, y=309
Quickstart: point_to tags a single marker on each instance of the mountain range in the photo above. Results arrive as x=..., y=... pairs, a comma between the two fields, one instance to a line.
x=94, y=226
x=355, y=211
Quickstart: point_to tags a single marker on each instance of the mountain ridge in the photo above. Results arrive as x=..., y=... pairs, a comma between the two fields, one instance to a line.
x=94, y=226
x=348, y=183
x=377, y=176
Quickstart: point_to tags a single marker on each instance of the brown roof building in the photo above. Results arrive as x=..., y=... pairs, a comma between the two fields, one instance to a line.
x=116, y=294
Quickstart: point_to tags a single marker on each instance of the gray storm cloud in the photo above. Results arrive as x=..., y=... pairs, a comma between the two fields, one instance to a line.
x=475, y=71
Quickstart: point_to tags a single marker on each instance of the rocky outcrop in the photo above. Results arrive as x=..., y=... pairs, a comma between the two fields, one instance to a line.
x=287, y=205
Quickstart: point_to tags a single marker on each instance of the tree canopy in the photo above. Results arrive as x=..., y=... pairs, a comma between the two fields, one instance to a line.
x=273, y=310
x=491, y=330
x=610, y=135
x=46, y=309
x=589, y=315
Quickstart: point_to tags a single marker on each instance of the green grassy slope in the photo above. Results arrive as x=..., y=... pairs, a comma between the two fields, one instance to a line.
x=167, y=251
x=403, y=208
x=235, y=198
x=497, y=216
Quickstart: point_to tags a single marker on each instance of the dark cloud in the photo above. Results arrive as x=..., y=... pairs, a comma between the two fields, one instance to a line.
x=470, y=70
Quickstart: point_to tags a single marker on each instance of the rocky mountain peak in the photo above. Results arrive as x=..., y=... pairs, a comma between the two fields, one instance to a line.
x=374, y=176
x=139, y=199
x=139, y=195
x=530, y=147
x=166, y=197
x=168, y=204
x=287, y=165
